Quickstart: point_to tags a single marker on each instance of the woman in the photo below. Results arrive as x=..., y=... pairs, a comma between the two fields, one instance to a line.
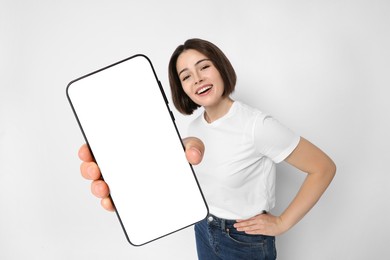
x=237, y=172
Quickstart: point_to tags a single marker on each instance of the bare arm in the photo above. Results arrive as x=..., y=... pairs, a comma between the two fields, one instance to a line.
x=320, y=171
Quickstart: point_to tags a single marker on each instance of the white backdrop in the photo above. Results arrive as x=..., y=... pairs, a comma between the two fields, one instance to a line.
x=320, y=67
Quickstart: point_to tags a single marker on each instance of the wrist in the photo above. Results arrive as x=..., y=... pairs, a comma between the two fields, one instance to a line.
x=284, y=224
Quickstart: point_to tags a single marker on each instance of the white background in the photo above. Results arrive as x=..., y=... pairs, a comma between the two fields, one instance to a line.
x=320, y=67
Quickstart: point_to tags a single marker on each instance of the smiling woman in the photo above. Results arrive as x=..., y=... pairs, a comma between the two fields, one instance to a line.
x=205, y=58
x=202, y=82
x=237, y=172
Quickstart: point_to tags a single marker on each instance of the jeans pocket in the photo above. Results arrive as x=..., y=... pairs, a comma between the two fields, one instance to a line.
x=245, y=239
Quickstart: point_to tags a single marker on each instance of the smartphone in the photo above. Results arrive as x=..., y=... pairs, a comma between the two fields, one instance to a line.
x=125, y=118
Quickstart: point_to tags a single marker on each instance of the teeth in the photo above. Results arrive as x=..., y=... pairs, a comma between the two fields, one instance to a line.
x=203, y=90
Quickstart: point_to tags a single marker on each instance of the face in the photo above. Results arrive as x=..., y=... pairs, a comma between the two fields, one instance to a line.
x=200, y=79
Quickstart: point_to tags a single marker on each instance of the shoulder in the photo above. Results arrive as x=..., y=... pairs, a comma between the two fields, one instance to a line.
x=249, y=112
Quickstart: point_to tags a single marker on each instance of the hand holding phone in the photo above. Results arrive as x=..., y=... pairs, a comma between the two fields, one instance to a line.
x=194, y=149
x=124, y=116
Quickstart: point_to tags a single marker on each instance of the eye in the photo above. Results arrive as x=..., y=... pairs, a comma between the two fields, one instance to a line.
x=205, y=67
x=185, y=78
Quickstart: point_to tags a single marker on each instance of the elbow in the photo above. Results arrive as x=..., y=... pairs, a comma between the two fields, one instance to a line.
x=329, y=170
x=326, y=170
x=333, y=169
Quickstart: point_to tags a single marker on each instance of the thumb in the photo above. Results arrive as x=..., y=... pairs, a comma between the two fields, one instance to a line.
x=194, y=149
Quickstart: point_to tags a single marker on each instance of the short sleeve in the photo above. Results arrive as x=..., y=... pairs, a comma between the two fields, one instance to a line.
x=273, y=139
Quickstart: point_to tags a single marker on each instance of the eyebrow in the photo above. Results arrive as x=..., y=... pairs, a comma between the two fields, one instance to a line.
x=199, y=61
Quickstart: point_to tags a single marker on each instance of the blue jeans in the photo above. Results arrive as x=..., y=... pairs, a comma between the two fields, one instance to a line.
x=217, y=239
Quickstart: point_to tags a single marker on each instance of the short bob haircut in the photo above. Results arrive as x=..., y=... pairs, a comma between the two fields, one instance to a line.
x=180, y=99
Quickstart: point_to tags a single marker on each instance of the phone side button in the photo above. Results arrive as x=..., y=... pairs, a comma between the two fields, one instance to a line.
x=172, y=116
x=162, y=92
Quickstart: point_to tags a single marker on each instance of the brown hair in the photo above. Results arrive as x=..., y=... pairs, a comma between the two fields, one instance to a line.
x=180, y=99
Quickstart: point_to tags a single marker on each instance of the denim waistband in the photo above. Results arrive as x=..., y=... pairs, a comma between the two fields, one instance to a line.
x=223, y=224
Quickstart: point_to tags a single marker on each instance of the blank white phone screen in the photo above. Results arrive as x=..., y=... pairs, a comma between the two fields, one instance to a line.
x=126, y=121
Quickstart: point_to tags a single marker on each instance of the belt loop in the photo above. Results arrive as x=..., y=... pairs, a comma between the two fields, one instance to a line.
x=223, y=224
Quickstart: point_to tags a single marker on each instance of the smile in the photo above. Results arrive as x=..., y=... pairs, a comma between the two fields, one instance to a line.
x=203, y=89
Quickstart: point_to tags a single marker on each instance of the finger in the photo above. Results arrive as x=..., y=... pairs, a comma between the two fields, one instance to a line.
x=240, y=222
x=107, y=204
x=243, y=225
x=194, y=149
x=259, y=228
x=100, y=189
x=90, y=171
x=85, y=154
x=253, y=229
x=253, y=221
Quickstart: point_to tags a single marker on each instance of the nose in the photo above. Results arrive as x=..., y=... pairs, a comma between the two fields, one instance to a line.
x=198, y=78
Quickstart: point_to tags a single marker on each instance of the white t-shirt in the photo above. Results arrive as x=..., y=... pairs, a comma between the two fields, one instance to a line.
x=237, y=173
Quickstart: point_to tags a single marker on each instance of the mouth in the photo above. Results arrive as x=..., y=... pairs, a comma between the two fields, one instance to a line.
x=203, y=90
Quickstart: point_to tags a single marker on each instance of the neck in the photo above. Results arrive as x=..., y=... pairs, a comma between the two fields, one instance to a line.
x=217, y=111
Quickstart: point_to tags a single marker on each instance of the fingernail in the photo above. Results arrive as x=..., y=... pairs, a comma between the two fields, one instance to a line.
x=196, y=149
